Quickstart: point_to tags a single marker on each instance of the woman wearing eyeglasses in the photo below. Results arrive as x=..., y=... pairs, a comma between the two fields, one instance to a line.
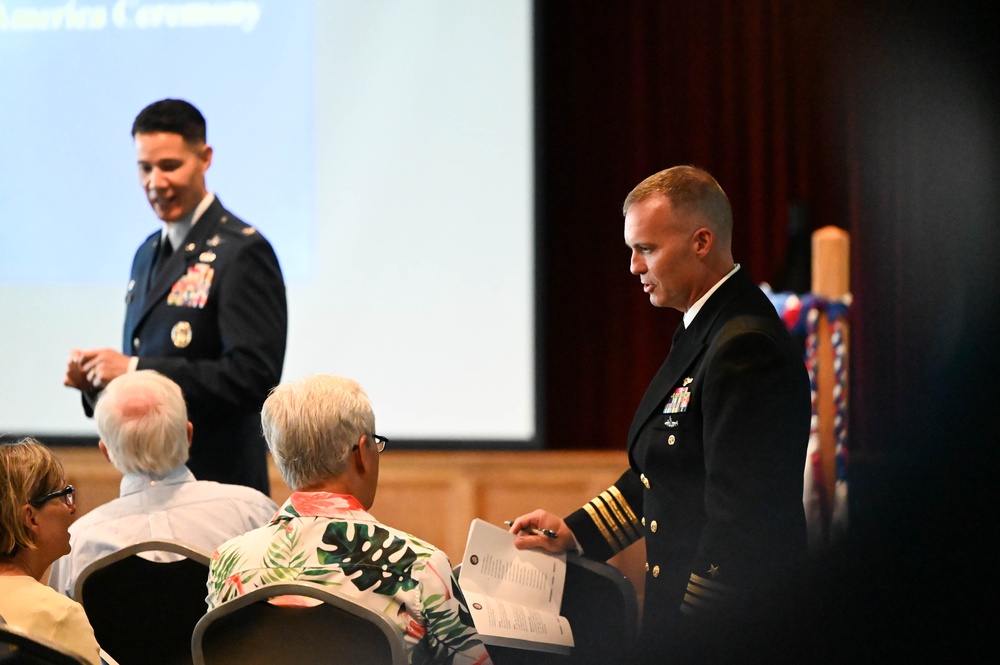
x=36, y=508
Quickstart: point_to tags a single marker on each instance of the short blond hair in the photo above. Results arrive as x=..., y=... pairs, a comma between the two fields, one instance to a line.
x=312, y=424
x=688, y=189
x=28, y=470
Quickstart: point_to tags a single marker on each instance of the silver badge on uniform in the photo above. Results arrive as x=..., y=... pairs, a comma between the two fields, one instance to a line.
x=180, y=334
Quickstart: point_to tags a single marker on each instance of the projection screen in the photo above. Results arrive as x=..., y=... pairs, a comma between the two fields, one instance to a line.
x=385, y=148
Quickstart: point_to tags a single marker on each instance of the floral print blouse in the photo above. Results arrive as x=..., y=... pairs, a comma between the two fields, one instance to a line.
x=330, y=539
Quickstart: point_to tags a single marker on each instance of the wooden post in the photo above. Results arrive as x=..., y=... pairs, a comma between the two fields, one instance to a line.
x=831, y=276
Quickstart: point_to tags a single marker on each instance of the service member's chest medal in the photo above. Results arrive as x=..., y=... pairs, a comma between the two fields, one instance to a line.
x=192, y=289
x=678, y=402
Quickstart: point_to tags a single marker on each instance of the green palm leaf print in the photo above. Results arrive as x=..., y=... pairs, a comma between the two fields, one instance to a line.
x=382, y=560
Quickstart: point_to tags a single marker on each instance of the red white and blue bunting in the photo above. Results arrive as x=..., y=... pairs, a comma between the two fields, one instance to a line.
x=826, y=517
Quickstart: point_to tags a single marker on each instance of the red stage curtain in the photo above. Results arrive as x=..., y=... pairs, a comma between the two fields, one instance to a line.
x=879, y=120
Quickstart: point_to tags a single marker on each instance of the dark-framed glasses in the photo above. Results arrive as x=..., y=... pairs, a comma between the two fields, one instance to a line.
x=380, y=442
x=67, y=494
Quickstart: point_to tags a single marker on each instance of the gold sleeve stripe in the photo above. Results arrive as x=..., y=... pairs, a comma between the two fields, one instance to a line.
x=620, y=520
x=697, y=602
x=702, y=592
x=598, y=503
x=615, y=547
x=627, y=518
x=711, y=584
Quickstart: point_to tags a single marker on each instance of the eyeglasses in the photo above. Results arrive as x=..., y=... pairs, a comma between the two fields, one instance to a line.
x=67, y=494
x=380, y=442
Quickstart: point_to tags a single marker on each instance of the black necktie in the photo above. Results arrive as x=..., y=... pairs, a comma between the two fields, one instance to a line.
x=166, y=249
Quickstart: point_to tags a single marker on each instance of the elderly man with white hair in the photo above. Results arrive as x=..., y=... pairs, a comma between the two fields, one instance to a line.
x=145, y=433
x=321, y=433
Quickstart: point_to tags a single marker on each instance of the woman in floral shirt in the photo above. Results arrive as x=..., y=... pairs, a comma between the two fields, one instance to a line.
x=320, y=431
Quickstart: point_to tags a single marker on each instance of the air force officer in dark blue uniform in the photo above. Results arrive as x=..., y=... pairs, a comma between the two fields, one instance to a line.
x=205, y=303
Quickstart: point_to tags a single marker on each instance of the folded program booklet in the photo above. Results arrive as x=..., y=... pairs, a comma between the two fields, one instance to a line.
x=514, y=595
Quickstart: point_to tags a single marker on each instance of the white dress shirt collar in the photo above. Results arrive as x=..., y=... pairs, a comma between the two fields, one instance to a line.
x=178, y=230
x=137, y=482
x=696, y=307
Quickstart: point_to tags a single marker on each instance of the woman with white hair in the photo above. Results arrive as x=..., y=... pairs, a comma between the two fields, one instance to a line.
x=36, y=508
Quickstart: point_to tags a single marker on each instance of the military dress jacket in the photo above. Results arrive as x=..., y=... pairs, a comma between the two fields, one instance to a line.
x=214, y=320
x=716, y=452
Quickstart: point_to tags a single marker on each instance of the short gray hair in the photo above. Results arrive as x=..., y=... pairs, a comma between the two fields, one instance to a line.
x=142, y=419
x=312, y=424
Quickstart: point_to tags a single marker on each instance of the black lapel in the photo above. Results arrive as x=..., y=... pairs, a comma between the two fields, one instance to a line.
x=687, y=349
x=682, y=354
x=136, y=295
x=184, y=256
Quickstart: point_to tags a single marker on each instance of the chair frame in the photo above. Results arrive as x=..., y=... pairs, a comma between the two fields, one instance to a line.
x=606, y=570
x=36, y=649
x=309, y=590
x=172, y=546
x=627, y=636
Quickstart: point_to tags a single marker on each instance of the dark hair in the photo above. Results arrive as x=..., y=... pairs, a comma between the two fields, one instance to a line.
x=174, y=116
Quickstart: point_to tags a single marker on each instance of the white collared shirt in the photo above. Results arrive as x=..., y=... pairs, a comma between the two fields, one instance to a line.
x=696, y=307
x=175, y=506
x=178, y=230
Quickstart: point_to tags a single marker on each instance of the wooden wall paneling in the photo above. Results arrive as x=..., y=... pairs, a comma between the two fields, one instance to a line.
x=434, y=494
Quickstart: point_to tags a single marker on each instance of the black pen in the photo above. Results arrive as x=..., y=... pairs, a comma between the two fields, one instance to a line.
x=548, y=533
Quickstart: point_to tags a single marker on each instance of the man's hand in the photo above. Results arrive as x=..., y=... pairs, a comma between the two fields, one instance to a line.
x=98, y=367
x=540, y=519
x=75, y=376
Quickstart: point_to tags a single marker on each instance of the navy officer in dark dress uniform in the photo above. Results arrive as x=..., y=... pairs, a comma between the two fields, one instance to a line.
x=205, y=303
x=717, y=445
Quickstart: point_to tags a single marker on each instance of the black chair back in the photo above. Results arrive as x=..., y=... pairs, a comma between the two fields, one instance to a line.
x=143, y=612
x=249, y=630
x=603, y=611
x=18, y=648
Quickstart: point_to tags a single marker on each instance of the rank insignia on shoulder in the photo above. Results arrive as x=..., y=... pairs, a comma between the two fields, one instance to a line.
x=249, y=231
